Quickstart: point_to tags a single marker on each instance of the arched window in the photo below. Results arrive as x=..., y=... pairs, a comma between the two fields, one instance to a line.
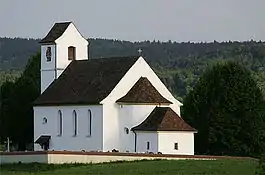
x=71, y=53
x=89, y=122
x=60, y=123
x=75, y=122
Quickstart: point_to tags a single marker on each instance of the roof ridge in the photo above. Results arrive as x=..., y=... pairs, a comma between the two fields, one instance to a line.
x=64, y=22
x=106, y=59
x=113, y=57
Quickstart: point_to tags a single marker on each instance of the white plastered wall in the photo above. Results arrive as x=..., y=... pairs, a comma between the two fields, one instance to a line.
x=47, y=67
x=185, y=140
x=164, y=142
x=113, y=125
x=129, y=116
x=143, y=138
x=68, y=141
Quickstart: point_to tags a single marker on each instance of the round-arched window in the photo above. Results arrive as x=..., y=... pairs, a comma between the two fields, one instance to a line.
x=60, y=123
x=75, y=122
x=44, y=120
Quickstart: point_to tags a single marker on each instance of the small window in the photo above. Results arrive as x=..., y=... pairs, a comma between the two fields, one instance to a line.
x=148, y=145
x=176, y=146
x=44, y=120
x=75, y=122
x=71, y=53
x=48, y=54
x=89, y=122
x=60, y=123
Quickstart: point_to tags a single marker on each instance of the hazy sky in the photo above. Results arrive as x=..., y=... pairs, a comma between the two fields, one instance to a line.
x=177, y=20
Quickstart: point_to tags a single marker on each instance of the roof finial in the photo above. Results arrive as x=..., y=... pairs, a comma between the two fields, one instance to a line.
x=140, y=51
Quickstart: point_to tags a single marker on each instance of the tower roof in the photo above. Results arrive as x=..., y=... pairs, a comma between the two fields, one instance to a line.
x=56, y=31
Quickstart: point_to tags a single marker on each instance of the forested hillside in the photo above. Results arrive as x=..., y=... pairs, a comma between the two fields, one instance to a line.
x=178, y=64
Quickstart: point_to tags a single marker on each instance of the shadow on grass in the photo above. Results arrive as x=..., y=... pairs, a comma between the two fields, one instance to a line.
x=35, y=167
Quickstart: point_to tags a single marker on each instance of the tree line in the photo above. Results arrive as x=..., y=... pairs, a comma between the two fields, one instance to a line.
x=178, y=64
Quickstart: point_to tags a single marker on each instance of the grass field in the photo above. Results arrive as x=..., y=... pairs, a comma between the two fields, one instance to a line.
x=158, y=167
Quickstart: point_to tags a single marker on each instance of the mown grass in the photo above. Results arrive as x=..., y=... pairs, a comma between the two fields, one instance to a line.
x=157, y=167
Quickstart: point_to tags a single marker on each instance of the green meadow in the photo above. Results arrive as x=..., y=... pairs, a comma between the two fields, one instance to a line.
x=157, y=167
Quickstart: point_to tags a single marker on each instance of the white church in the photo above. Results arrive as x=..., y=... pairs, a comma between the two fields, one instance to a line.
x=103, y=104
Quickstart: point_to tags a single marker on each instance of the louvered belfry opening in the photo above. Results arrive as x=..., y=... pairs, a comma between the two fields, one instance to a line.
x=71, y=53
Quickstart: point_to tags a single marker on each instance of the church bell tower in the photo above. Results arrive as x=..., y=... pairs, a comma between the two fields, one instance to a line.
x=62, y=45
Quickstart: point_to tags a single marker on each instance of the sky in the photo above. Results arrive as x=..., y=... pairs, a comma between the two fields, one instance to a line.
x=138, y=20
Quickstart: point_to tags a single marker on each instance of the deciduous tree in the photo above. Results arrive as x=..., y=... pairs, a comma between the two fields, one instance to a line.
x=227, y=108
x=16, y=106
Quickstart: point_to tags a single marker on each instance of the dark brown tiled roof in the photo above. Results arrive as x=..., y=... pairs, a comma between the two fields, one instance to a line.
x=163, y=119
x=143, y=92
x=86, y=81
x=56, y=31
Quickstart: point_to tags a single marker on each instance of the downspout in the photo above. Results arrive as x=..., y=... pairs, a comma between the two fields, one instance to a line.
x=55, y=62
x=135, y=141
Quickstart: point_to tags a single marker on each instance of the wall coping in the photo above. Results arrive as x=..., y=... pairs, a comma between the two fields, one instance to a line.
x=121, y=154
